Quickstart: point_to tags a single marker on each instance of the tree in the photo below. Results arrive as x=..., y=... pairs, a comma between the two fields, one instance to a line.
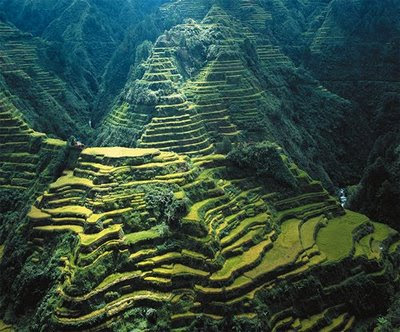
x=164, y=205
x=264, y=160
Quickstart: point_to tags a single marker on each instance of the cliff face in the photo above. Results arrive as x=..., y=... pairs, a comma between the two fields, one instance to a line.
x=217, y=132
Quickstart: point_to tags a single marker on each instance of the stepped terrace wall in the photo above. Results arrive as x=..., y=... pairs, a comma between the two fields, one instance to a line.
x=28, y=159
x=155, y=113
x=224, y=246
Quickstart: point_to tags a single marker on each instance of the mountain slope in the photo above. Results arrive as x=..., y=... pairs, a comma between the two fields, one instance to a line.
x=86, y=38
x=250, y=89
x=148, y=236
x=216, y=133
x=39, y=92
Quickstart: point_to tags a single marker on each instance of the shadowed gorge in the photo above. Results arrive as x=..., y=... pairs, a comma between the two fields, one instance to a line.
x=209, y=165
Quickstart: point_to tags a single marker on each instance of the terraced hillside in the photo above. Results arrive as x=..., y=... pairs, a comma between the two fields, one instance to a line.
x=223, y=95
x=36, y=89
x=174, y=125
x=157, y=229
x=92, y=43
x=254, y=14
x=183, y=9
x=194, y=205
x=377, y=73
x=159, y=113
x=24, y=153
x=29, y=162
x=19, y=53
x=220, y=79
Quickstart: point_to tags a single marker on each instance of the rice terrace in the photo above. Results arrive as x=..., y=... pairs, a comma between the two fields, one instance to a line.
x=199, y=165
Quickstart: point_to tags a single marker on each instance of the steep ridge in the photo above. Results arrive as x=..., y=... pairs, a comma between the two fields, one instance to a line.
x=337, y=32
x=226, y=89
x=343, y=43
x=20, y=54
x=29, y=162
x=369, y=61
x=224, y=83
x=165, y=73
x=174, y=126
x=157, y=111
x=204, y=93
x=220, y=80
x=364, y=51
x=35, y=87
x=91, y=30
x=235, y=82
x=377, y=193
x=236, y=241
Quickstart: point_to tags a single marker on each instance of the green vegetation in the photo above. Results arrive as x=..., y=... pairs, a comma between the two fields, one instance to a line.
x=336, y=239
x=164, y=204
x=265, y=161
x=143, y=245
x=169, y=165
x=377, y=194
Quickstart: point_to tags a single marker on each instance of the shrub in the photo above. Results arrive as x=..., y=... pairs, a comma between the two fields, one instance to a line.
x=263, y=160
x=9, y=200
x=133, y=223
x=165, y=207
x=11, y=203
x=224, y=147
x=383, y=325
x=111, y=296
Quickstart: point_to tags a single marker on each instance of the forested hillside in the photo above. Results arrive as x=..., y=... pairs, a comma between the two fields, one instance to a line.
x=175, y=165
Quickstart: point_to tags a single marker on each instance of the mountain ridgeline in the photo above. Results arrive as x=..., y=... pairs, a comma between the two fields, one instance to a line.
x=173, y=165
